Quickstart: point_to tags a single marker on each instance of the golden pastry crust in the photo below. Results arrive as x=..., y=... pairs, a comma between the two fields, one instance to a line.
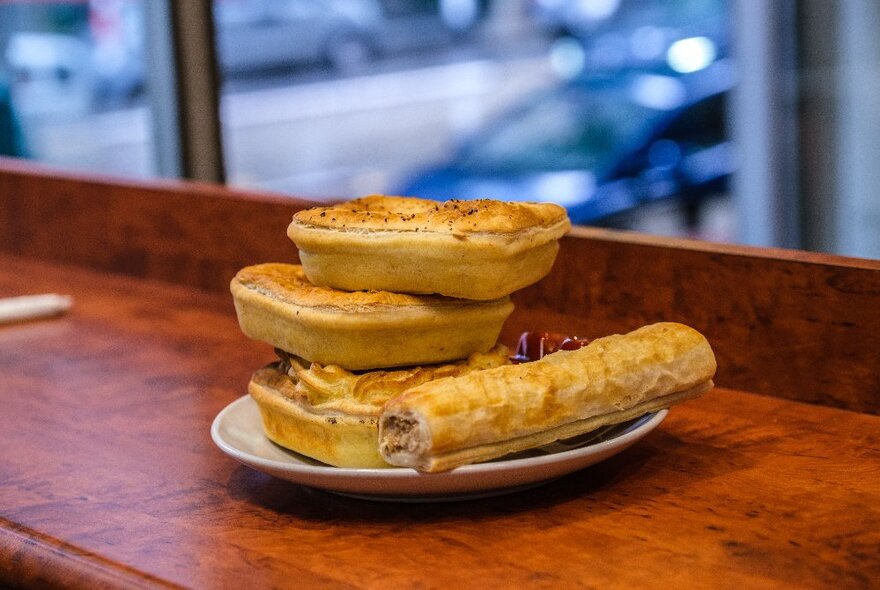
x=275, y=303
x=467, y=249
x=450, y=422
x=411, y=214
x=287, y=283
x=341, y=440
x=331, y=414
x=332, y=389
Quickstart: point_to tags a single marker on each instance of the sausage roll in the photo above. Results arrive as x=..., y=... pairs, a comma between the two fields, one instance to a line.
x=487, y=414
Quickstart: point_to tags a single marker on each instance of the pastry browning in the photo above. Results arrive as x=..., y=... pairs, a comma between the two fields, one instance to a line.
x=380, y=213
x=478, y=250
x=331, y=388
x=331, y=414
x=343, y=440
x=483, y=415
x=275, y=303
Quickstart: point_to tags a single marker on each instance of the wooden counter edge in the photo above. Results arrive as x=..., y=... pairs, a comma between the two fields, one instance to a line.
x=754, y=304
x=32, y=559
x=687, y=244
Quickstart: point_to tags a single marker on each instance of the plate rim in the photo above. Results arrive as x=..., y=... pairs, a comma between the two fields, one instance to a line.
x=640, y=428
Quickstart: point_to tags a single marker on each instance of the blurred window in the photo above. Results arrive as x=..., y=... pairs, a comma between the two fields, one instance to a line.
x=74, y=77
x=470, y=98
x=395, y=8
x=574, y=129
x=703, y=124
x=597, y=104
x=339, y=98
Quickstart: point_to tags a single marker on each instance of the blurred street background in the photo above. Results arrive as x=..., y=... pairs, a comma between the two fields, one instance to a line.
x=618, y=109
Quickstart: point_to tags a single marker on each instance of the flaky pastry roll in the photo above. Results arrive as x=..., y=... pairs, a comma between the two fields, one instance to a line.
x=487, y=414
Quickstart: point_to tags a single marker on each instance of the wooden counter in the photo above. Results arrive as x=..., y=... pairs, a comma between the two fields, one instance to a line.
x=109, y=477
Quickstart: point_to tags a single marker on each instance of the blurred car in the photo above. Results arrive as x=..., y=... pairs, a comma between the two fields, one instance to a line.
x=101, y=61
x=49, y=73
x=344, y=34
x=615, y=34
x=258, y=34
x=601, y=146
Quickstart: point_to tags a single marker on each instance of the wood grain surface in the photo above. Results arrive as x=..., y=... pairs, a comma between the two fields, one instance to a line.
x=108, y=477
x=784, y=323
x=185, y=233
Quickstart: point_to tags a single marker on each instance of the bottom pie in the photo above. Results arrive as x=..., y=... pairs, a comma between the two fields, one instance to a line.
x=331, y=414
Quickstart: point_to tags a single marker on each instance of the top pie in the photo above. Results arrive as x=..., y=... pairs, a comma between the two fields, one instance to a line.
x=478, y=249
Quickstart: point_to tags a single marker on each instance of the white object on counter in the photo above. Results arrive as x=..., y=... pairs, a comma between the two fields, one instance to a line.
x=26, y=307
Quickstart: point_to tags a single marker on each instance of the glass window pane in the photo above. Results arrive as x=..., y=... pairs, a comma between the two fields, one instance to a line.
x=336, y=99
x=607, y=107
x=73, y=78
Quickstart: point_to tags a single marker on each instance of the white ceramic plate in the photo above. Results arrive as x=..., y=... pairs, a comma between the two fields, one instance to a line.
x=238, y=431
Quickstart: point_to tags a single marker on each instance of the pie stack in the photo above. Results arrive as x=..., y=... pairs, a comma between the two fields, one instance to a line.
x=393, y=292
